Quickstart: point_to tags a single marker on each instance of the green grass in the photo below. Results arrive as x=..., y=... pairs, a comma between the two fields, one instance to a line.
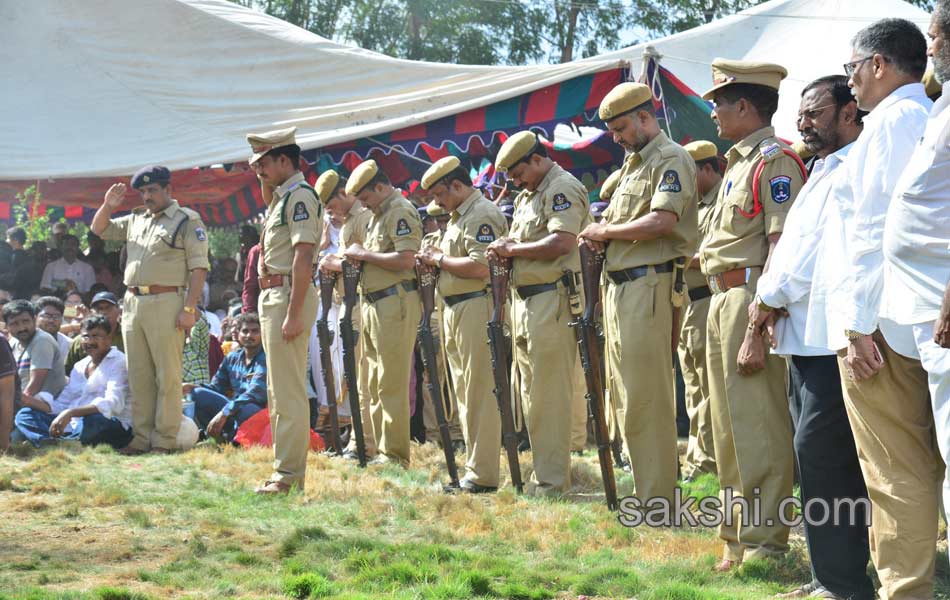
x=91, y=525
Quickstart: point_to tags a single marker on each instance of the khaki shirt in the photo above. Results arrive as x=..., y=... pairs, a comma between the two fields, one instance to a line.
x=474, y=224
x=662, y=176
x=559, y=204
x=154, y=258
x=694, y=277
x=354, y=227
x=735, y=240
x=294, y=216
x=393, y=227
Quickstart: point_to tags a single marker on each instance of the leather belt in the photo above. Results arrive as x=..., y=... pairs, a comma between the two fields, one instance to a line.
x=408, y=285
x=267, y=282
x=456, y=298
x=724, y=282
x=150, y=290
x=625, y=275
x=526, y=291
x=699, y=293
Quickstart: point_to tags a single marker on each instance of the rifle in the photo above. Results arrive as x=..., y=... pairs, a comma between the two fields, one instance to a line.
x=427, y=277
x=351, y=279
x=585, y=330
x=325, y=337
x=500, y=270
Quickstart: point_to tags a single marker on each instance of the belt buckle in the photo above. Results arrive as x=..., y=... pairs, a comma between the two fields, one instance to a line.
x=144, y=290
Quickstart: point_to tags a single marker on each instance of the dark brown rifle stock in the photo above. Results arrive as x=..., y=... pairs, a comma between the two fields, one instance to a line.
x=325, y=337
x=351, y=280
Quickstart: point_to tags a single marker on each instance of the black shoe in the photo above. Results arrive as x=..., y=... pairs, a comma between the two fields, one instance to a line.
x=470, y=487
x=458, y=446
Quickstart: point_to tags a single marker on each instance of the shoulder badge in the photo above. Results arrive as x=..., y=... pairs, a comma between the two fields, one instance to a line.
x=402, y=227
x=561, y=203
x=200, y=234
x=485, y=234
x=300, y=212
x=781, y=187
x=670, y=182
x=769, y=150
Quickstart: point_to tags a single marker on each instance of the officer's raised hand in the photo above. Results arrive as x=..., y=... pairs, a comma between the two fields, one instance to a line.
x=115, y=195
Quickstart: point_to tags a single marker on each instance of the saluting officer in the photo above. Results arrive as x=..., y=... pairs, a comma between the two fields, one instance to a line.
x=460, y=254
x=747, y=393
x=167, y=250
x=288, y=301
x=700, y=454
x=649, y=229
x=549, y=213
x=391, y=306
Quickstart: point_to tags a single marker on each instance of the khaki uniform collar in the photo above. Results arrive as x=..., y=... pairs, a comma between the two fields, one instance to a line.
x=356, y=209
x=551, y=175
x=385, y=204
x=711, y=195
x=652, y=147
x=750, y=143
x=466, y=205
x=288, y=185
x=169, y=211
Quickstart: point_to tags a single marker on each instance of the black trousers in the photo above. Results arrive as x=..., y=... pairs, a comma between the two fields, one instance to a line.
x=828, y=470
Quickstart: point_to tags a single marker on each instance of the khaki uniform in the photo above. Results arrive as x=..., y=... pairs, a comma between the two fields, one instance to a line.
x=700, y=454
x=751, y=426
x=429, y=421
x=543, y=344
x=161, y=250
x=295, y=216
x=638, y=314
x=389, y=325
x=475, y=224
x=352, y=232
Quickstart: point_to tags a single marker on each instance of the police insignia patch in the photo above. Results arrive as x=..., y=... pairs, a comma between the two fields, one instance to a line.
x=561, y=203
x=300, y=212
x=402, y=227
x=670, y=182
x=200, y=234
x=485, y=234
x=781, y=188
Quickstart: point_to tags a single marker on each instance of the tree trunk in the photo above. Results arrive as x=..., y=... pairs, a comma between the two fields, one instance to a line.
x=567, y=48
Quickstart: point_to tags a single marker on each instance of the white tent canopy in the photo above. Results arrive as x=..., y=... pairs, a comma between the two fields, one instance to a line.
x=102, y=87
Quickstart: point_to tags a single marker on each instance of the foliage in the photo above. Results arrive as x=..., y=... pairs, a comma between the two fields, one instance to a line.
x=39, y=227
x=224, y=241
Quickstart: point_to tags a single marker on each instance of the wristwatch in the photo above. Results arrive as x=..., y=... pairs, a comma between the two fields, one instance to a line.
x=438, y=263
x=762, y=305
x=189, y=309
x=853, y=335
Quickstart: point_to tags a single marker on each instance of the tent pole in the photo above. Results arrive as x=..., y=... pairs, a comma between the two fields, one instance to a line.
x=650, y=53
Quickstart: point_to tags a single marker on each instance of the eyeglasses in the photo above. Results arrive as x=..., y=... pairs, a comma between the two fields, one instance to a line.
x=851, y=67
x=50, y=316
x=812, y=114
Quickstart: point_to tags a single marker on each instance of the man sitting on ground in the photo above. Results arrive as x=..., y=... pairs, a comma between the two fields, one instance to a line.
x=95, y=406
x=243, y=375
x=39, y=362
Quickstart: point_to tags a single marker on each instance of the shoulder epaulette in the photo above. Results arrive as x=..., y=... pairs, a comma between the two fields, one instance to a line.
x=770, y=150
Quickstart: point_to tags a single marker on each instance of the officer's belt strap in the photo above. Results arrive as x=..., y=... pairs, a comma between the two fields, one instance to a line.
x=724, y=282
x=149, y=290
x=700, y=293
x=526, y=291
x=410, y=285
x=456, y=298
x=626, y=275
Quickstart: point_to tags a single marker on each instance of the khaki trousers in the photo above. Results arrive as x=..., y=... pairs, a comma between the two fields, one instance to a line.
x=153, y=349
x=579, y=408
x=638, y=321
x=286, y=383
x=544, y=351
x=692, y=354
x=752, y=433
x=389, y=328
x=893, y=427
x=469, y=358
x=429, y=420
x=362, y=378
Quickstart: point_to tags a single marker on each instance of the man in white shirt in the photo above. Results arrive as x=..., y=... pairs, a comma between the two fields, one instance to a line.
x=68, y=273
x=94, y=407
x=828, y=470
x=917, y=241
x=884, y=384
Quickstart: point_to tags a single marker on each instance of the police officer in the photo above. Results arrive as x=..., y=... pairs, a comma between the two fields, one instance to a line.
x=167, y=250
x=648, y=230
x=355, y=217
x=747, y=393
x=692, y=347
x=460, y=255
x=288, y=301
x=549, y=213
x=391, y=307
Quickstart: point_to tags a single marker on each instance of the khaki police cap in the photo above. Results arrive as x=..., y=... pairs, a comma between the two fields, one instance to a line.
x=515, y=149
x=727, y=72
x=438, y=170
x=623, y=99
x=609, y=186
x=701, y=150
x=262, y=143
x=361, y=176
x=434, y=210
x=326, y=183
